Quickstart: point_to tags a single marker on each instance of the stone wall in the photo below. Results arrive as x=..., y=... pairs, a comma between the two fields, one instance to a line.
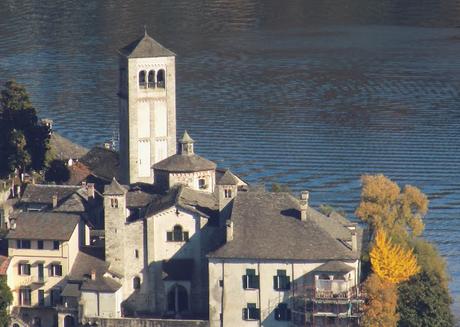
x=135, y=322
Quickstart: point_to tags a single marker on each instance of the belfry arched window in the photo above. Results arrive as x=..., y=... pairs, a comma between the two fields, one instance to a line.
x=151, y=79
x=142, y=76
x=161, y=78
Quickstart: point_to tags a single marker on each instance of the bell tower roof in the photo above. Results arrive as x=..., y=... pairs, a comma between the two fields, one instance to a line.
x=186, y=138
x=145, y=47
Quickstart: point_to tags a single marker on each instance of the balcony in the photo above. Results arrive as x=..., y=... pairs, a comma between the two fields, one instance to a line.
x=334, y=289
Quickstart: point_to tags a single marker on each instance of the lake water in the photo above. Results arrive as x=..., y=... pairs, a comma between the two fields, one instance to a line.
x=310, y=93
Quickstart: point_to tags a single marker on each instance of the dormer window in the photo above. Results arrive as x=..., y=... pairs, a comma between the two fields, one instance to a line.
x=142, y=82
x=151, y=79
x=161, y=78
x=177, y=235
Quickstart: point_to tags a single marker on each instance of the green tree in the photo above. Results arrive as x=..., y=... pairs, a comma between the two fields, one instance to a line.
x=423, y=301
x=57, y=172
x=18, y=156
x=18, y=114
x=5, y=300
x=277, y=187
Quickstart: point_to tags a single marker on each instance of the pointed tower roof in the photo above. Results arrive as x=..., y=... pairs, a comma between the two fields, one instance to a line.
x=228, y=179
x=145, y=47
x=114, y=188
x=186, y=138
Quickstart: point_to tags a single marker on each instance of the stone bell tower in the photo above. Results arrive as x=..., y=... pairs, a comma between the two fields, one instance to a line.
x=147, y=103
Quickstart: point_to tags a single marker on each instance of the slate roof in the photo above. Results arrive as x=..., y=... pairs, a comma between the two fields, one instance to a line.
x=334, y=266
x=186, y=138
x=145, y=47
x=81, y=271
x=268, y=226
x=203, y=203
x=185, y=164
x=44, y=226
x=227, y=179
x=103, y=163
x=43, y=194
x=114, y=188
x=64, y=148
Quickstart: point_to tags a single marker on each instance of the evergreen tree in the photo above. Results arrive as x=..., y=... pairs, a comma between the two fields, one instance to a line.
x=423, y=301
x=18, y=117
x=5, y=300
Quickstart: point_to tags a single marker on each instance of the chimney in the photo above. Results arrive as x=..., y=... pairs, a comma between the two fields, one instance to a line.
x=304, y=195
x=90, y=190
x=55, y=201
x=354, y=241
x=229, y=229
x=93, y=274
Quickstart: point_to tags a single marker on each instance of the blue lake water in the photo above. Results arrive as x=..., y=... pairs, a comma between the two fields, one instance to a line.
x=309, y=93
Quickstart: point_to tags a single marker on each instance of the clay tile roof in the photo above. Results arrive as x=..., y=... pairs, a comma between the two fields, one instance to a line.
x=114, y=188
x=4, y=263
x=185, y=163
x=145, y=47
x=228, y=179
x=44, y=226
x=267, y=226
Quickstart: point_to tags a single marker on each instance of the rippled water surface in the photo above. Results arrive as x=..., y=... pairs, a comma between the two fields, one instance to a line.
x=310, y=93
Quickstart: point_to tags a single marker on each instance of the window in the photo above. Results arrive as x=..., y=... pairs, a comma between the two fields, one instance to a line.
x=250, y=280
x=227, y=194
x=202, y=184
x=114, y=203
x=177, y=235
x=55, y=296
x=151, y=79
x=136, y=283
x=56, y=245
x=41, y=297
x=251, y=312
x=23, y=244
x=136, y=253
x=281, y=282
x=282, y=312
x=142, y=83
x=55, y=270
x=25, y=295
x=40, y=244
x=161, y=78
x=23, y=269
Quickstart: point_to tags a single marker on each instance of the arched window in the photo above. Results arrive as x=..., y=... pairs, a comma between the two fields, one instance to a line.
x=177, y=235
x=136, y=283
x=142, y=83
x=177, y=299
x=151, y=79
x=161, y=78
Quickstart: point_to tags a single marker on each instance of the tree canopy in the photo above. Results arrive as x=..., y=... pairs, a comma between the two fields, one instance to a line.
x=24, y=141
x=384, y=206
x=5, y=300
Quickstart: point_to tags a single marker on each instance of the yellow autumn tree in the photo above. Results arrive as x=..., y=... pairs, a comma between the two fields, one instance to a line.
x=391, y=262
x=384, y=206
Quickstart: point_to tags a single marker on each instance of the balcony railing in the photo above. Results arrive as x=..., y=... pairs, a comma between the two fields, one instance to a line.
x=338, y=289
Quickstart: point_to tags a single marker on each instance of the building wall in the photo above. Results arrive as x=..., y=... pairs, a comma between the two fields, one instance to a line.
x=101, y=304
x=192, y=179
x=232, y=297
x=33, y=256
x=156, y=138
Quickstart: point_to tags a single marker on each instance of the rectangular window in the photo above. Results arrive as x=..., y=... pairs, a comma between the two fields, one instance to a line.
x=282, y=312
x=25, y=295
x=56, y=245
x=55, y=270
x=23, y=269
x=23, y=244
x=228, y=194
x=251, y=312
x=281, y=282
x=136, y=253
x=40, y=244
x=41, y=298
x=55, y=296
x=250, y=280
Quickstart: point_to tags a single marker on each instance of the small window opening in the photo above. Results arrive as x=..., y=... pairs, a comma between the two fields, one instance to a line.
x=136, y=283
x=202, y=184
x=114, y=203
x=161, y=78
x=151, y=79
x=142, y=83
x=227, y=194
x=136, y=253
